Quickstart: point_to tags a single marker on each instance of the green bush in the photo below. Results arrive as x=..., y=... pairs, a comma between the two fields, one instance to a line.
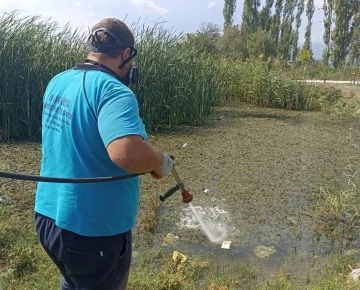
x=255, y=82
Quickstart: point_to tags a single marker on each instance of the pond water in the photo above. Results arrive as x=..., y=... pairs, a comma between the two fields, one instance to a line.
x=256, y=174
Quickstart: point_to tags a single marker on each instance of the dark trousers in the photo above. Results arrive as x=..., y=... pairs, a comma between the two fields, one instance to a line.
x=86, y=263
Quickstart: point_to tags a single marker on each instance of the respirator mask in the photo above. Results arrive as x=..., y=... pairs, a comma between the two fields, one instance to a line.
x=132, y=77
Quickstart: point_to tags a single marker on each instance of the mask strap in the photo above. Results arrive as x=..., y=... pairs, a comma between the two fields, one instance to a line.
x=118, y=44
x=126, y=61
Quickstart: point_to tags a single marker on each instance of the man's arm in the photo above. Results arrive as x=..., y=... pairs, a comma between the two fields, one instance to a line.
x=134, y=155
x=124, y=136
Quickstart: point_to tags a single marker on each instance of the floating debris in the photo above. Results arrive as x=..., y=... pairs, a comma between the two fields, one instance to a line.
x=206, y=190
x=264, y=252
x=226, y=245
x=352, y=252
x=170, y=239
x=179, y=259
x=345, y=217
x=134, y=255
x=185, y=145
x=293, y=221
x=355, y=273
x=5, y=199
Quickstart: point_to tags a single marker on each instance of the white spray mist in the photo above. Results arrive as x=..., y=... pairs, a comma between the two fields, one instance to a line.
x=214, y=234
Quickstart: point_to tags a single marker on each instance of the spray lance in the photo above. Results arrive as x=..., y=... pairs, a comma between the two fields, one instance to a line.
x=215, y=236
x=186, y=195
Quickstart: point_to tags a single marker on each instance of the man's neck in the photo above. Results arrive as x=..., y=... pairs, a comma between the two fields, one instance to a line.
x=105, y=62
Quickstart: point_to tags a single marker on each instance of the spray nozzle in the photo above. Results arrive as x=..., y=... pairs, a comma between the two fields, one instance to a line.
x=186, y=195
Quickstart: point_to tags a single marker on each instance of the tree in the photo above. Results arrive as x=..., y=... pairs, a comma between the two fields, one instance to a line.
x=228, y=12
x=276, y=21
x=328, y=15
x=341, y=37
x=295, y=40
x=284, y=48
x=246, y=16
x=305, y=56
x=265, y=16
x=354, y=56
x=255, y=14
x=205, y=38
x=232, y=44
x=250, y=17
x=310, y=9
x=261, y=44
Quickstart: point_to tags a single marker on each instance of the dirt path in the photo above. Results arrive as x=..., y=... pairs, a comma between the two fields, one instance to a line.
x=334, y=82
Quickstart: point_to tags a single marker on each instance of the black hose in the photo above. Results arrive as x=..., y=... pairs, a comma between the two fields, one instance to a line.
x=39, y=178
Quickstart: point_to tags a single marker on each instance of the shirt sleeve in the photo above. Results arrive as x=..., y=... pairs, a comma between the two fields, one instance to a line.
x=118, y=116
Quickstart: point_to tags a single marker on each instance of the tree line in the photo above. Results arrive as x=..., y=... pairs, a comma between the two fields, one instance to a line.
x=273, y=31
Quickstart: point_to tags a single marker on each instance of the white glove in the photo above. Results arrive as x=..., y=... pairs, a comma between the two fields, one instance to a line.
x=164, y=169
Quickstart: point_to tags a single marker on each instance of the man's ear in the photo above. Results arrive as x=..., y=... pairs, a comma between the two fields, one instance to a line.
x=126, y=54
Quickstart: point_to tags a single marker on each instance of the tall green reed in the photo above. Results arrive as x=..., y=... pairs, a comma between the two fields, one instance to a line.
x=33, y=51
x=177, y=83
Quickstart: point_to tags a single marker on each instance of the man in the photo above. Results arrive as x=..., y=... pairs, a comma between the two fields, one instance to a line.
x=91, y=127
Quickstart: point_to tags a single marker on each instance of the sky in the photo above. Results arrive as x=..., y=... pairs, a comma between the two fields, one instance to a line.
x=179, y=15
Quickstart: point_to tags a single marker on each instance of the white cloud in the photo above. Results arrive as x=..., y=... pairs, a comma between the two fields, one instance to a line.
x=148, y=6
x=22, y=3
x=3, y=3
x=211, y=4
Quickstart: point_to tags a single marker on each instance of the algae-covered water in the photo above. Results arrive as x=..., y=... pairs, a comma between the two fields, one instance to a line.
x=257, y=174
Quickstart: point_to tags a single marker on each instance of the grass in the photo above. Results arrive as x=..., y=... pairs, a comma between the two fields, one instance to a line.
x=316, y=71
x=338, y=206
x=338, y=213
x=28, y=268
x=349, y=102
x=321, y=72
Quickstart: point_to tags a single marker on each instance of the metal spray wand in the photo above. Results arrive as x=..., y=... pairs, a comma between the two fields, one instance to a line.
x=186, y=195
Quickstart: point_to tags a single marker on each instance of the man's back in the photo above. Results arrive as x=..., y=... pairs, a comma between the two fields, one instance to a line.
x=77, y=127
x=91, y=127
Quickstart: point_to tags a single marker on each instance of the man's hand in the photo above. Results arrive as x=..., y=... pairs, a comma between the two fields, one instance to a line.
x=164, y=169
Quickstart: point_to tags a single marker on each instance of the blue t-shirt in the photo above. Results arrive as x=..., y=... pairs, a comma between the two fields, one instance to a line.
x=75, y=134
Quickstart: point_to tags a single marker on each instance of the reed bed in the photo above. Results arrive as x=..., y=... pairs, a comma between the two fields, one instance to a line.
x=179, y=84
